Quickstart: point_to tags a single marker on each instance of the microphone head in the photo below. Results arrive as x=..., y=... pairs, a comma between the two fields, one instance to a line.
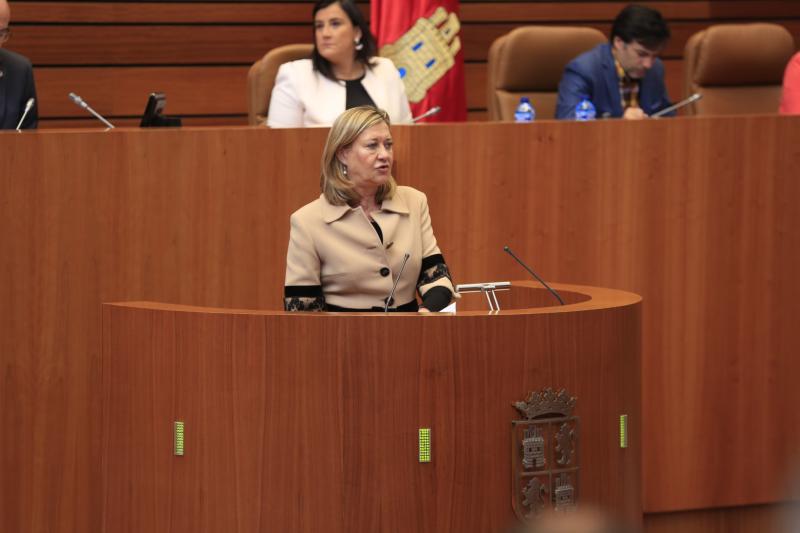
x=75, y=98
x=29, y=104
x=506, y=249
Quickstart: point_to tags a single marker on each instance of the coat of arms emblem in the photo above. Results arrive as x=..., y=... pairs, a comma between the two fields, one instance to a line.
x=544, y=457
x=425, y=53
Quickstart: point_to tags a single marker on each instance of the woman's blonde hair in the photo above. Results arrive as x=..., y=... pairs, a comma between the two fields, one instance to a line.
x=336, y=186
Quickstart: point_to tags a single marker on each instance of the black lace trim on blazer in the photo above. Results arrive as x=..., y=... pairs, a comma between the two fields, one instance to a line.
x=303, y=298
x=433, y=268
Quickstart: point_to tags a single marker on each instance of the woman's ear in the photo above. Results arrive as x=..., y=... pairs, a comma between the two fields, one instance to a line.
x=342, y=155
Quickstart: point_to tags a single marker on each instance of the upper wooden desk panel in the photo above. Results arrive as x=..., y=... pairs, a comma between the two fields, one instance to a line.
x=698, y=216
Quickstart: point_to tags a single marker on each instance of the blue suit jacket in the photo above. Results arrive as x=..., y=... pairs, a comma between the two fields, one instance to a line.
x=16, y=87
x=593, y=75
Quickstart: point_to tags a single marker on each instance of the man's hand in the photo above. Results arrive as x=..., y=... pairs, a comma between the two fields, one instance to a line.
x=634, y=113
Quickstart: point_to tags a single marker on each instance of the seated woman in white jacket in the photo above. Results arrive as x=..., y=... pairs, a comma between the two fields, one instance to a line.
x=343, y=72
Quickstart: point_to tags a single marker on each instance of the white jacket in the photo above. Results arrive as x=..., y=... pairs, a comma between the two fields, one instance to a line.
x=304, y=97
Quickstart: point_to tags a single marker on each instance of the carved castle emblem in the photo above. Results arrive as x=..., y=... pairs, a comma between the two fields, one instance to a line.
x=425, y=52
x=544, y=456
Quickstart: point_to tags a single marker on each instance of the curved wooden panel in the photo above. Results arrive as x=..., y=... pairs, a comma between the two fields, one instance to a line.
x=298, y=422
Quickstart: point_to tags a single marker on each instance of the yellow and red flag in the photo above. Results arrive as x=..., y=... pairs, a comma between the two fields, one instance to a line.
x=422, y=38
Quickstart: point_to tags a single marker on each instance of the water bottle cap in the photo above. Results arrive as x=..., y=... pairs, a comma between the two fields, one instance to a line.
x=525, y=99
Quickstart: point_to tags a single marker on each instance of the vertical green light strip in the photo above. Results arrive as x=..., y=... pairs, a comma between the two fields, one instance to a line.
x=623, y=431
x=424, y=445
x=178, y=438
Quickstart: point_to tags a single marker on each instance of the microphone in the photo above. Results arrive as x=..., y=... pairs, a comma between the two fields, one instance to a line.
x=507, y=250
x=695, y=97
x=28, y=107
x=430, y=112
x=80, y=103
x=396, y=281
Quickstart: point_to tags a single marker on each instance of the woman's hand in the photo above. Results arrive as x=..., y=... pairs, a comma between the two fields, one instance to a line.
x=423, y=310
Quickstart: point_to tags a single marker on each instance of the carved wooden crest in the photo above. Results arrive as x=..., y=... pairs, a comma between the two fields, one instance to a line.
x=544, y=456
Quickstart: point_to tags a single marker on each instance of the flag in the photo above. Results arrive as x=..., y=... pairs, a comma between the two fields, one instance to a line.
x=422, y=38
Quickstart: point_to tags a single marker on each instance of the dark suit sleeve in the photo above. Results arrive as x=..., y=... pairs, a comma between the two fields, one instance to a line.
x=658, y=99
x=32, y=120
x=573, y=88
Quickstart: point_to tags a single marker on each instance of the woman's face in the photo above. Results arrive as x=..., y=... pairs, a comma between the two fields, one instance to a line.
x=369, y=159
x=335, y=34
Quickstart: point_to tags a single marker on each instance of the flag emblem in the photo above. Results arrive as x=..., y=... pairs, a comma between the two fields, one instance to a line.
x=426, y=52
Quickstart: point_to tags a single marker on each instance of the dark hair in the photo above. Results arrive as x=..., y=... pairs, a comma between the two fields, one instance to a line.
x=363, y=56
x=641, y=24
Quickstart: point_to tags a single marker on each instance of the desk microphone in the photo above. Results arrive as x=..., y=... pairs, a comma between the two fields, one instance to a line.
x=28, y=107
x=396, y=281
x=507, y=250
x=80, y=103
x=695, y=97
x=430, y=112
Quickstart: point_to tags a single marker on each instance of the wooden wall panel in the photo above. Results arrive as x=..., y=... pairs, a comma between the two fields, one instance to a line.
x=697, y=215
x=189, y=37
x=122, y=91
x=749, y=519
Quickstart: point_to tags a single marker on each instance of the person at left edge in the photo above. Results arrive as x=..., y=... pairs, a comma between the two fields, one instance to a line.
x=346, y=248
x=343, y=72
x=16, y=81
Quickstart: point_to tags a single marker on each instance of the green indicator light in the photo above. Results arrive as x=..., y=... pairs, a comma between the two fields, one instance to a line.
x=623, y=431
x=424, y=445
x=178, y=438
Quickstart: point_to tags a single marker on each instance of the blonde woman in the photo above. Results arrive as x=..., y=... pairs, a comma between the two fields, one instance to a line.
x=347, y=247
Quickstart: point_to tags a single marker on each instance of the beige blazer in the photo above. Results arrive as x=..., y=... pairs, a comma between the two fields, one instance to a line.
x=304, y=97
x=337, y=247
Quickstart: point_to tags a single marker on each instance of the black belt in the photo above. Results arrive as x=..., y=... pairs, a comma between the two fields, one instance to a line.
x=410, y=307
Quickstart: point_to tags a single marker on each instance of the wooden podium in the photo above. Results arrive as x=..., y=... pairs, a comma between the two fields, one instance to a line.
x=310, y=422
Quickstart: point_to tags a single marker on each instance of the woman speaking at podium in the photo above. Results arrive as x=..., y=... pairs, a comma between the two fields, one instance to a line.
x=365, y=235
x=344, y=71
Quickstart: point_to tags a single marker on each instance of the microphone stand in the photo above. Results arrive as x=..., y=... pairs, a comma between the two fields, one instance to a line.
x=80, y=103
x=430, y=112
x=396, y=281
x=540, y=280
x=28, y=107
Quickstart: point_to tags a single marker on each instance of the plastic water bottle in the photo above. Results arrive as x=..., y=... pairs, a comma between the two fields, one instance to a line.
x=585, y=110
x=525, y=111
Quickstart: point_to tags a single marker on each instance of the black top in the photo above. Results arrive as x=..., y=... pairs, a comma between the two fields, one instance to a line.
x=356, y=94
x=16, y=87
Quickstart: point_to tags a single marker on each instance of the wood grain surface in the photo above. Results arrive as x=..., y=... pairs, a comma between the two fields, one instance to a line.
x=306, y=422
x=696, y=215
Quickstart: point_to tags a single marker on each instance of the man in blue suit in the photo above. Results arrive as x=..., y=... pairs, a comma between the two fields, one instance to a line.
x=16, y=81
x=624, y=78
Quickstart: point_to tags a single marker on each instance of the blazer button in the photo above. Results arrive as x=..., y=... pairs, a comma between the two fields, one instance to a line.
x=384, y=272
